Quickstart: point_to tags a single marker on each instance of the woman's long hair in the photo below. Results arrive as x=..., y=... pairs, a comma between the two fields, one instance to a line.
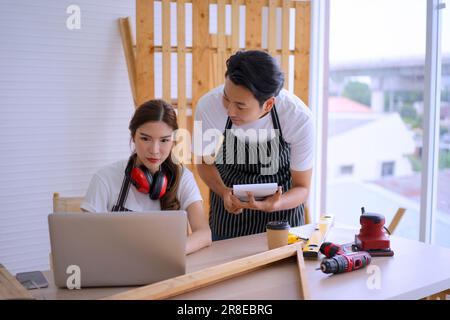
x=159, y=110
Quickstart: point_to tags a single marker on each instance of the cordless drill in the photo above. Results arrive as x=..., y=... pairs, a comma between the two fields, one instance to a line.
x=339, y=261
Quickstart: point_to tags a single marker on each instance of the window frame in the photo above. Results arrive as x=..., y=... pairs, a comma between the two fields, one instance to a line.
x=318, y=102
x=346, y=170
x=432, y=97
x=387, y=167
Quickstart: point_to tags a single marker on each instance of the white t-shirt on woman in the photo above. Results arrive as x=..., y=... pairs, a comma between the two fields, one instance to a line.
x=104, y=189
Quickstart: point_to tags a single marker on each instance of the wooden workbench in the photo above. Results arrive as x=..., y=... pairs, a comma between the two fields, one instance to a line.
x=417, y=270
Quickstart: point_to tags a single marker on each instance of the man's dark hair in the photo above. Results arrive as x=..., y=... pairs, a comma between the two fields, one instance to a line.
x=257, y=71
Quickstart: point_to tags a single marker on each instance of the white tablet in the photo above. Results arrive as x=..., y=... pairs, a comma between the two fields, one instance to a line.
x=260, y=190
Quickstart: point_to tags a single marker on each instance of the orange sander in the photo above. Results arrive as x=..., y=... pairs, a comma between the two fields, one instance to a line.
x=372, y=236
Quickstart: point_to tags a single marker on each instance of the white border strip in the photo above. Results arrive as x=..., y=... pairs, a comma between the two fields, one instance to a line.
x=318, y=97
x=432, y=102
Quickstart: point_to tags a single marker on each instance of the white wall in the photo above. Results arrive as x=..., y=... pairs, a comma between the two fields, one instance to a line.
x=65, y=103
x=368, y=146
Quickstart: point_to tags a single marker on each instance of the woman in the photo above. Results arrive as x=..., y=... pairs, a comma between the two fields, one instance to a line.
x=150, y=179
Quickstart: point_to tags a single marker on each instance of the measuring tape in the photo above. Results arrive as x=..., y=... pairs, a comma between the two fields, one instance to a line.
x=317, y=237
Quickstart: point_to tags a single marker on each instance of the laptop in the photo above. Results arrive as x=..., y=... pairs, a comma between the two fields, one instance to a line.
x=117, y=249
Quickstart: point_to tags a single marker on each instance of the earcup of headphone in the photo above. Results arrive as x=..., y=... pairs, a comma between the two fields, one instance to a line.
x=141, y=179
x=154, y=185
x=159, y=185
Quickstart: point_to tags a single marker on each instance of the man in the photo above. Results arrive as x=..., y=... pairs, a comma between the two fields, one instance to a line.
x=267, y=137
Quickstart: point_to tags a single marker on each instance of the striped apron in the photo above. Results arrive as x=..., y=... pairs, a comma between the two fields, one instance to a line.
x=233, y=170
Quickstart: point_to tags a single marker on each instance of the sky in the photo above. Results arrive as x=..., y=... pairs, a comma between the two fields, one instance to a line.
x=377, y=29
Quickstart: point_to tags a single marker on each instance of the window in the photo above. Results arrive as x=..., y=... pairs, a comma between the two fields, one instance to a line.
x=387, y=169
x=346, y=170
x=375, y=109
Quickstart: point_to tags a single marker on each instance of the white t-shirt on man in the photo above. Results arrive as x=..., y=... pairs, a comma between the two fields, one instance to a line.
x=295, y=120
x=104, y=189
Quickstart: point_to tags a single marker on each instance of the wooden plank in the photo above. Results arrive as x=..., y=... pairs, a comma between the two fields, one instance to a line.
x=173, y=49
x=128, y=43
x=200, y=75
x=253, y=24
x=272, y=28
x=302, y=46
x=145, y=72
x=221, y=42
x=279, y=3
x=213, y=76
x=285, y=42
x=235, y=34
x=181, y=62
x=10, y=288
x=191, y=281
x=166, y=50
x=181, y=72
x=213, y=38
x=304, y=287
x=200, y=50
x=397, y=217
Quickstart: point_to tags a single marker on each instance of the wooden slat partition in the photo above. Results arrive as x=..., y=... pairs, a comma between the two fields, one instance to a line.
x=221, y=46
x=302, y=46
x=166, y=50
x=145, y=41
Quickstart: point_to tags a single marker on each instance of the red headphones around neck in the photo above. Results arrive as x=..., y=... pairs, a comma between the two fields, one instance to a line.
x=154, y=185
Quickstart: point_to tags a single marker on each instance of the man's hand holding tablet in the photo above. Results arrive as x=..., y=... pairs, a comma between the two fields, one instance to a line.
x=263, y=197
